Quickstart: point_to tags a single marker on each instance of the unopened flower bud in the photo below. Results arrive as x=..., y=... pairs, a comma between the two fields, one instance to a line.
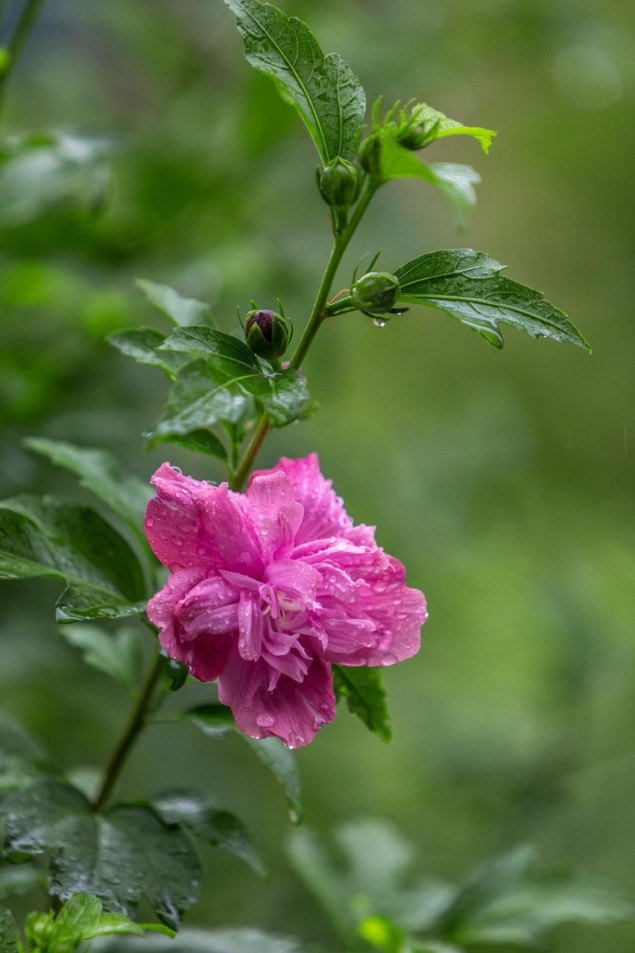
x=267, y=334
x=370, y=154
x=339, y=184
x=376, y=292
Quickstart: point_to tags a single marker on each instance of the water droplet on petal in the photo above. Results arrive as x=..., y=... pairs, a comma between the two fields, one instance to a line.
x=149, y=521
x=178, y=542
x=389, y=660
x=265, y=721
x=201, y=551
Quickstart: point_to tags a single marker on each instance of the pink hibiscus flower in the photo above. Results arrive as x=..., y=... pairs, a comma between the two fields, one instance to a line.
x=270, y=587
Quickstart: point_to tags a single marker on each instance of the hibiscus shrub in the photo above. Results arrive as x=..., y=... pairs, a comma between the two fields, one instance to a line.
x=273, y=592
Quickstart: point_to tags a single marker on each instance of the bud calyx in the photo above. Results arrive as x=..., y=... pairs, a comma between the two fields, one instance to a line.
x=267, y=333
x=339, y=184
x=376, y=292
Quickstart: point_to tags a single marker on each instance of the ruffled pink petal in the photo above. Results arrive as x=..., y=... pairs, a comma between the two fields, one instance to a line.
x=173, y=523
x=250, y=626
x=295, y=579
x=274, y=513
x=294, y=711
x=229, y=531
x=396, y=612
x=324, y=513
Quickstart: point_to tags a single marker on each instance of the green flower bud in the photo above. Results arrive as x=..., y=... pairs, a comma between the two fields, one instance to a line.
x=370, y=154
x=267, y=334
x=339, y=184
x=376, y=292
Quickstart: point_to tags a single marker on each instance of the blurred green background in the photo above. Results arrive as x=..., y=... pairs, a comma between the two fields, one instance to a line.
x=503, y=480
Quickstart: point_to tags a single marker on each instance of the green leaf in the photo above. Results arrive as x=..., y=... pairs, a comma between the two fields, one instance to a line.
x=212, y=941
x=365, y=696
x=101, y=474
x=39, y=171
x=82, y=919
x=46, y=537
x=455, y=181
x=322, y=88
x=218, y=828
x=22, y=759
x=223, y=383
x=179, y=310
x=142, y=345
x=198, y=441
x=510, y=901
x=80, y=914
x=8, y=932
x=119, y=655
x=468, y=286
x=216, y=721
x=438, y=125
x=126, y=852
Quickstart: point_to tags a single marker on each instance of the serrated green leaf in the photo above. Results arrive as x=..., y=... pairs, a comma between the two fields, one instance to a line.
x=179, y=310
x=206, y=394
x=119, y=655
x=218, y=828
x=323, y=89
x=212, y=941
x=216, y=721
x=101, y=474
x=455, y=181
x=117, y=856
x=365, y=696
x=198, y=441
x=142, y=345
x=47, y=537
x=8, y=932
x=467, y=285
x=437, y=125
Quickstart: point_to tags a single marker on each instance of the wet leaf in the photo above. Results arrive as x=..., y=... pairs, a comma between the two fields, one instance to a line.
x=101, y=474
x=47, y=537
x=142, y=345
x=117, y=856
x=468, y=286
x=322, y=88
x=217, y=828
x=363, y=689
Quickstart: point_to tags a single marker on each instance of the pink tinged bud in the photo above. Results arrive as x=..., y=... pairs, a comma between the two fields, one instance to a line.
x=271, y=587
x=267, y=334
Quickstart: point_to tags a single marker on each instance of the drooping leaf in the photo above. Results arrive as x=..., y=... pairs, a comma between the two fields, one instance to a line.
x=363, y=689
x=218, y=828
x=322, y=88
x=199, y=441
x=117, y=856
x=181, y=311
x=102, y=475
x=455, y=181
x=47, y=537
x=511, y=901
x=468, y=285
x=217, y=721
x=8, y=932
x=437, y=125
x=211, y=941
x=142, y=345
x=119, y=655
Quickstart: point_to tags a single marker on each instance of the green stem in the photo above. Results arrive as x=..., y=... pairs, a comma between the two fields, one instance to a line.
x=11, y=52
x=135, y=726
x=318, y=314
